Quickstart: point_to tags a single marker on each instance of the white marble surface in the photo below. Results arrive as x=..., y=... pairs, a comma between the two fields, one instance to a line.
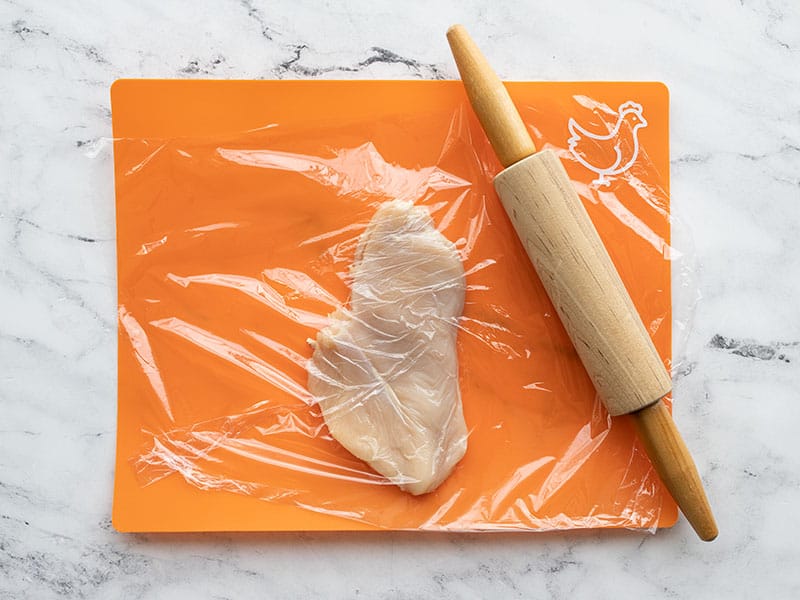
x=734, y=73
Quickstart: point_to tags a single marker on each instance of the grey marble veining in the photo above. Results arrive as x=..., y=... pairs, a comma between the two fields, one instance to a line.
x=735, y=91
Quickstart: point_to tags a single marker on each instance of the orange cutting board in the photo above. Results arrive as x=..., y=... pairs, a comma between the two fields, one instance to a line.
x=542, y=453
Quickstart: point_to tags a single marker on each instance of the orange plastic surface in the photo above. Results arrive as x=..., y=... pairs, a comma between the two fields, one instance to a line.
x=526, y=410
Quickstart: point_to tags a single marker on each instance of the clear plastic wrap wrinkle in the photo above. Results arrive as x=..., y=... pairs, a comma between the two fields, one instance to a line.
x=337, y=316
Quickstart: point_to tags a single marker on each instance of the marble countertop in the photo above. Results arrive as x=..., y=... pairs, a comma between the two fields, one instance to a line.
x=735, y=93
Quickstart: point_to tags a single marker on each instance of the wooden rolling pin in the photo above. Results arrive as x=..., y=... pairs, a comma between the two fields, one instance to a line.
x=582, y=282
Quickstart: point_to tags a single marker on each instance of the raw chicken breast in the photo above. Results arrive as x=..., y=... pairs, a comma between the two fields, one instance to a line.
x=386, y=373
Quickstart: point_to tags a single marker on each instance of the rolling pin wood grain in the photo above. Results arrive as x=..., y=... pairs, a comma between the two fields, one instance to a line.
x=582, y=283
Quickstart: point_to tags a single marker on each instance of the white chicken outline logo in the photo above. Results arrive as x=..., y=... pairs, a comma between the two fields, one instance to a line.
x=629, y=111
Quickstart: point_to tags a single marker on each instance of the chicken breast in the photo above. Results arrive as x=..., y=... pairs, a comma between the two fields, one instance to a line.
x=385, y=373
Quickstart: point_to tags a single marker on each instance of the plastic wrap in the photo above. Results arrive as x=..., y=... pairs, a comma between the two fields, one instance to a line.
x=368, y=248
